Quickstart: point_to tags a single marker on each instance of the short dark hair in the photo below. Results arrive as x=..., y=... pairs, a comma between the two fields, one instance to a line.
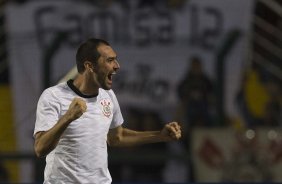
x=87, y=51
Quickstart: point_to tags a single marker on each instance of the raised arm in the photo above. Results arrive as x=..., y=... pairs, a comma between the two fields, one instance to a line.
x=125, y=137
x=46, y=141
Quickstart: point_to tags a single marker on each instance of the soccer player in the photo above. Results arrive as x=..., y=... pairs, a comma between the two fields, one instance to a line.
x=76, y=119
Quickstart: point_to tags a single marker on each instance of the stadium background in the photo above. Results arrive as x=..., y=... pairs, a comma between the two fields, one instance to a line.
x=213, y=65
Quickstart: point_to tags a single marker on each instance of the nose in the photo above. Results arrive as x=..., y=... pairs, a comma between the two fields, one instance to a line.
x=116, y=66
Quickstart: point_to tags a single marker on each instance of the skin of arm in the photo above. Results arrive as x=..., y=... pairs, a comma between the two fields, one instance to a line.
x=46, y=141
x=123, y=137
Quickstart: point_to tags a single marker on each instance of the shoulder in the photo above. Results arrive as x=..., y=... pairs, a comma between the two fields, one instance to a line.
x=52, y=93
x=109, y=93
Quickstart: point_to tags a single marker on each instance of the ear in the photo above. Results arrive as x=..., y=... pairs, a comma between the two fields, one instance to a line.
x=88, y=66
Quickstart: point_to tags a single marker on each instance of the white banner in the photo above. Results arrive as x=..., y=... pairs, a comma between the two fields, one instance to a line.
x=153, y=43
x=223, y=155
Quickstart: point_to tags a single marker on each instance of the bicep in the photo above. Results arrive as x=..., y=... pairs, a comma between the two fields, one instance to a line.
x=115, y=135
x=47, y=113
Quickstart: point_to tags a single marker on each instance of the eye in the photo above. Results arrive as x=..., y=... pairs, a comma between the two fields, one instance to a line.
x=111, y=59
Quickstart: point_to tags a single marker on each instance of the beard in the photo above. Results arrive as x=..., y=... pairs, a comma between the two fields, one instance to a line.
x=103, y=82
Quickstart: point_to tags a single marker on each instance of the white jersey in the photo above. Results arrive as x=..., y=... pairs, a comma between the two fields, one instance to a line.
x=81, y=154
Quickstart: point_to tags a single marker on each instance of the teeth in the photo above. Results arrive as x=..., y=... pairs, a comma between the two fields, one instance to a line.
x=111, y=75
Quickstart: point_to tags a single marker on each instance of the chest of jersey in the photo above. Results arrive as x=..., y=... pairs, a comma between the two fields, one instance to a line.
x=93, y=125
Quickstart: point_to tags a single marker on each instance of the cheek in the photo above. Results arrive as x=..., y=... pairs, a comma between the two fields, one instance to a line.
x=102, y=74
x=103, y=70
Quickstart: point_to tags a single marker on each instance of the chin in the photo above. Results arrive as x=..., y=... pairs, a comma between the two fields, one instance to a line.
x=105, y=87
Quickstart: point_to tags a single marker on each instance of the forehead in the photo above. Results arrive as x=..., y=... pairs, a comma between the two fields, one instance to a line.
x=106, y=51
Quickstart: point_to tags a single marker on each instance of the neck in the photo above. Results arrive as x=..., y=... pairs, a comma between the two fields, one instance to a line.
x=85, y=85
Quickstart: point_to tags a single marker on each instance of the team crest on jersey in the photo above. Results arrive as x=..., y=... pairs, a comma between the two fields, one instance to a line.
x=106, y=107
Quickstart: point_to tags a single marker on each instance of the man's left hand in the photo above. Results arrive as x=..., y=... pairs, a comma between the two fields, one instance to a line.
x=171, y=131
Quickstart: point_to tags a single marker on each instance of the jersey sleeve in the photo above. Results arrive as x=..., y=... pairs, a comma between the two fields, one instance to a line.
x=47, y=113
x=117, y=115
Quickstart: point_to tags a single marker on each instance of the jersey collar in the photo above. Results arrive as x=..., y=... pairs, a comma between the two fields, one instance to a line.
x=72, y=87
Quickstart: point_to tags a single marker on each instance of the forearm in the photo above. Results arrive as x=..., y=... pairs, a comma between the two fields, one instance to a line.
x=132, y=138
x=45, y=142
x=120, y=136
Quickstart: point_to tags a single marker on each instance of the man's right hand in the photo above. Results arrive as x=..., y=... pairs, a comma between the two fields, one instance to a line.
x=76, y=108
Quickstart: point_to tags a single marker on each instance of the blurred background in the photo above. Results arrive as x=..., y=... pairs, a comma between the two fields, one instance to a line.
x=213, y=65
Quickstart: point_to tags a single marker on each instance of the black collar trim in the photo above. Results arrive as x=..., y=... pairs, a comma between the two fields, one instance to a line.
x=70, y=84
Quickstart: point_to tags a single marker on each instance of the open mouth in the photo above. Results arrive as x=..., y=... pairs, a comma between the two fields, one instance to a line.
x=110, y=76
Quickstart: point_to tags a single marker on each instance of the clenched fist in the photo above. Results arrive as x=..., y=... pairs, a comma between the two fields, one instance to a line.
x=171, y=131
x=76, y=108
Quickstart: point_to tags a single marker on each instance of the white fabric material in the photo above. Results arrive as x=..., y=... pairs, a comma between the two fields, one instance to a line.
x=81, y=154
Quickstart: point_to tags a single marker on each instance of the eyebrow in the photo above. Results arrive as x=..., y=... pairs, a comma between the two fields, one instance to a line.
x=112, y=57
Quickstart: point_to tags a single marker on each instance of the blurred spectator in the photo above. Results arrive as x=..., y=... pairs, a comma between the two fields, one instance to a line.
x=259, y=99
x=252, y=97
x=195, y=92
